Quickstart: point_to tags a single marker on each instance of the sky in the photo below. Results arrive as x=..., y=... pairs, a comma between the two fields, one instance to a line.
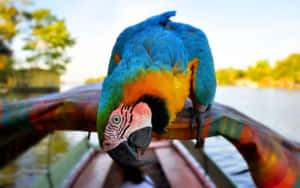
x=239, y=32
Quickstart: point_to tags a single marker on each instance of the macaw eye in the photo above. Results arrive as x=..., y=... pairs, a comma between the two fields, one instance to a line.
x=116, y=119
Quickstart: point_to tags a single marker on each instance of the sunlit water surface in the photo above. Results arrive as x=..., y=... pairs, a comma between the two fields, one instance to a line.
x=276, y=108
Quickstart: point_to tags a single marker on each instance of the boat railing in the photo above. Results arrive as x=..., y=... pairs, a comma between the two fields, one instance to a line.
x=266, y=152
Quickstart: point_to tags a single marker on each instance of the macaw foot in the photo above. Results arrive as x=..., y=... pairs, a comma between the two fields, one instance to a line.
x=198, y=119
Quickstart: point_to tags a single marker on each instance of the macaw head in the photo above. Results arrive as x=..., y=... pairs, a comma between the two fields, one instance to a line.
x=128, y=132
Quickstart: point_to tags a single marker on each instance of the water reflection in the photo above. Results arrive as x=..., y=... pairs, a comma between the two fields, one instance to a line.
x=28, y=167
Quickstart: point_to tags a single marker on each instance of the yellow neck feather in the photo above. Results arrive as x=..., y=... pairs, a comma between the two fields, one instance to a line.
x=172, y=87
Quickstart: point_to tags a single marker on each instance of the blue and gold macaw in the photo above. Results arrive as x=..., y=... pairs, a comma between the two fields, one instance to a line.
x=154, y=66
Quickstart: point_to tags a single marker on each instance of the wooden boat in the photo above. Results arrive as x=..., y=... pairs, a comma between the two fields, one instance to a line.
x=272, y=159
x=172, y=166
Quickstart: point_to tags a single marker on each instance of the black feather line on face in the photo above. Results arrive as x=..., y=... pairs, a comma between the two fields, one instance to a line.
x=126, y=124
x=122, y=109
x=160, y=116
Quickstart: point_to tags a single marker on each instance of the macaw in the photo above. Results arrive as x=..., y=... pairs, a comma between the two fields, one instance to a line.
x=154, y=66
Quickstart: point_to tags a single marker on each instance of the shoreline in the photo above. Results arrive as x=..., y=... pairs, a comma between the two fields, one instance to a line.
x=262, y=87
x=265, y=83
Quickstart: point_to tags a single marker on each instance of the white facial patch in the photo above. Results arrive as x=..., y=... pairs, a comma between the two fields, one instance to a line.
x=124, y=121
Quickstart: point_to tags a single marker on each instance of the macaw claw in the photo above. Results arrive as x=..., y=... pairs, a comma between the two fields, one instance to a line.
x=198, y=119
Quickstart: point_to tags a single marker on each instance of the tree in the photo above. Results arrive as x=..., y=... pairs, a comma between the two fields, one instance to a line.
x=228, y=75
x=288, y=68
x=9, y=19
x=47, y=37
x=94, y=80
x=259, y=71
x=5, y=62
x=48, y=41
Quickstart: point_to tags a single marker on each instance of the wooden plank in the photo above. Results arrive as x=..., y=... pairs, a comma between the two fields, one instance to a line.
x=215, y=173
x=95, y=173
x=159, y=144
x=75, y=173
x=182, y=151
x=176, y=169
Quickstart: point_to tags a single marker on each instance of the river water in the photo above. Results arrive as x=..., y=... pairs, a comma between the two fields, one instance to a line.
x=279, y=109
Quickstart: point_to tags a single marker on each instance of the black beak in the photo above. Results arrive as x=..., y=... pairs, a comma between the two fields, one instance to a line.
x=127, y=152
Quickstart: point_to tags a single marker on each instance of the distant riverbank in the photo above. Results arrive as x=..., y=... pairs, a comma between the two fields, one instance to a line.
x=265, y=83
x=283, y=74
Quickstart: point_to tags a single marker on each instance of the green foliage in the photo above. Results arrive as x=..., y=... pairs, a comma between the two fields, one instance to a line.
x=260, y=70
x=6, y=63
x=228, y=75
x=9, y=19
x=47, y=37
x=12, y=13
x=48, y=42
x=263, y=73
x=288, y=68
x=94, y=80
x=7, y=71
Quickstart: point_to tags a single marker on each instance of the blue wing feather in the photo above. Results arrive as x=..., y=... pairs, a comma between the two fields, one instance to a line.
x=197, y=45
x=131, y=41
x=160, y=43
